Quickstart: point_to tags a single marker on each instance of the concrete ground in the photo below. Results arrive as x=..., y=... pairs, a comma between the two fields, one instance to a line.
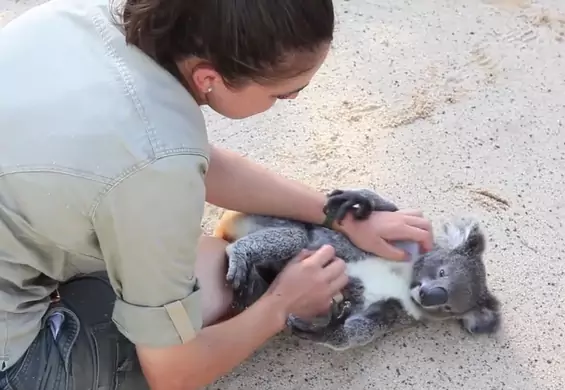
x=451, y=106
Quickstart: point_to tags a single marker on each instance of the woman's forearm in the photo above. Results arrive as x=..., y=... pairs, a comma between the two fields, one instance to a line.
x=215, y=350
x=236, y=183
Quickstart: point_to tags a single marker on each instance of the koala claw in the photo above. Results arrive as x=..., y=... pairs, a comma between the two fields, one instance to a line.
x=342, y=312
x=361, y=203
x=238, y=269
x=341, y=202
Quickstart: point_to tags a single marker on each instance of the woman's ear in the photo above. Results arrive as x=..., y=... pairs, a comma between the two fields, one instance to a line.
x=200, y=75
x=205, y=78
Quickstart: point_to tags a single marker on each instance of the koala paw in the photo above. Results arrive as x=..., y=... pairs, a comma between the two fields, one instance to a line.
x=477, y=329
x=481, y=322
x=361, y=203
x=297, y=324
x=238, y=268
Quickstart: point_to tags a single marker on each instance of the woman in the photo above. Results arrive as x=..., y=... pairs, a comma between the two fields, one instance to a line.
x=105, y=167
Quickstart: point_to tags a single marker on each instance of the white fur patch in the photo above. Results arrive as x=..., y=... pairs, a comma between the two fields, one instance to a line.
x=384, y=279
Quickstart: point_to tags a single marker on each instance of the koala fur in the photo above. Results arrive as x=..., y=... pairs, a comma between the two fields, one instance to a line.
x=449, y=282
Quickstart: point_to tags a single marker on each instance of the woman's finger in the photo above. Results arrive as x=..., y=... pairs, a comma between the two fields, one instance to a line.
x=323, y=256
x=334, y=270
x=412, y=212
x=418, y=222
x=338, y=284
x=304, y=254
x=410, y=233
x=421, y=236
x=386, y=250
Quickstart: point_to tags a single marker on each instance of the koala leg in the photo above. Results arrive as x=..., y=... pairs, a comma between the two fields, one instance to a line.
x=254, y=260
x=357, y=330
x=359, y=202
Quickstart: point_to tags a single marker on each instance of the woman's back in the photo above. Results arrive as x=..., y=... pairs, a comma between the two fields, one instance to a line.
x=79, y=112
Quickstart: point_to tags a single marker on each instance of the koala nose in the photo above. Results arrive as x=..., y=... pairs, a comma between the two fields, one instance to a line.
x=433, y=296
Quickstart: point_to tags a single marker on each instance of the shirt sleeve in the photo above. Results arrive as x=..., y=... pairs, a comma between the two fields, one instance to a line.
x=148, y=227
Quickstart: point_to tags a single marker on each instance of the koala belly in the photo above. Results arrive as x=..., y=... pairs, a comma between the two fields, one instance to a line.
x=384, y=279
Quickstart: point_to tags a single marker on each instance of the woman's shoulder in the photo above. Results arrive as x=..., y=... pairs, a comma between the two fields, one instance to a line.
x=73, y=59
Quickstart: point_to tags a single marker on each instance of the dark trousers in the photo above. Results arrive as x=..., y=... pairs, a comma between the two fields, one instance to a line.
x=87, y=353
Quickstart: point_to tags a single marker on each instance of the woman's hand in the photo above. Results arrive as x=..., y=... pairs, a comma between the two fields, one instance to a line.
x=308, y=283
x=374, y=234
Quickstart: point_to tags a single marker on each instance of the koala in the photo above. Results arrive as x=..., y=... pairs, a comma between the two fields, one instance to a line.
x=448, y=282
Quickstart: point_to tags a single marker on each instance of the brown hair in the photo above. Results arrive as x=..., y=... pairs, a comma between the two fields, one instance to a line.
x=243, y=40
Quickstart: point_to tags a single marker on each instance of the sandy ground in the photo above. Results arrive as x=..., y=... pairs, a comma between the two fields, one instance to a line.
x=439, y=104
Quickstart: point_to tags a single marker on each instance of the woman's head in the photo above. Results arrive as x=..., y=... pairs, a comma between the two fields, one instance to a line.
x=238, y=56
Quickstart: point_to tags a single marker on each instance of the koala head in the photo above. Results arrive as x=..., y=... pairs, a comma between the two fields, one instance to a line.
x=450, y=280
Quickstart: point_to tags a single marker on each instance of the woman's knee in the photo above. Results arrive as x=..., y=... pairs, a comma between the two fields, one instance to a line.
x=211, y=269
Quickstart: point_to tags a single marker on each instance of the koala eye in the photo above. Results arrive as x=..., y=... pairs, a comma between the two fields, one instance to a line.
x=441, y=273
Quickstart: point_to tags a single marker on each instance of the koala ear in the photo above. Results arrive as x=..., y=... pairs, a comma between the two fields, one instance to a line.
x=485, y=318
x=475, y=243
x=465, y=235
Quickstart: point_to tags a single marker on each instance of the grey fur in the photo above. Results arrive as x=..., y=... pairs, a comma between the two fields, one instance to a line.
x=454, y=268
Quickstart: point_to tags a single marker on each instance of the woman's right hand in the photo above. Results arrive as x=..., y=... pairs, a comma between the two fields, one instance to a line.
x=308, y=283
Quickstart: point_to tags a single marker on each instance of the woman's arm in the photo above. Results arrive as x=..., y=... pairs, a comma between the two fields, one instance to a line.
x=304, y=287
x=236, y=183
x=215, y=350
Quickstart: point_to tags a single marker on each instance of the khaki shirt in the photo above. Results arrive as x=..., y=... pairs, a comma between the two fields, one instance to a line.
x=102, y=163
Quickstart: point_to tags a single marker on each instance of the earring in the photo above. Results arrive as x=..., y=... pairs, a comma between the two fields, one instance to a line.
x=209, y=89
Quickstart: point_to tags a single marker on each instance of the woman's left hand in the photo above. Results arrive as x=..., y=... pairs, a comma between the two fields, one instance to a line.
x=375, y=233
